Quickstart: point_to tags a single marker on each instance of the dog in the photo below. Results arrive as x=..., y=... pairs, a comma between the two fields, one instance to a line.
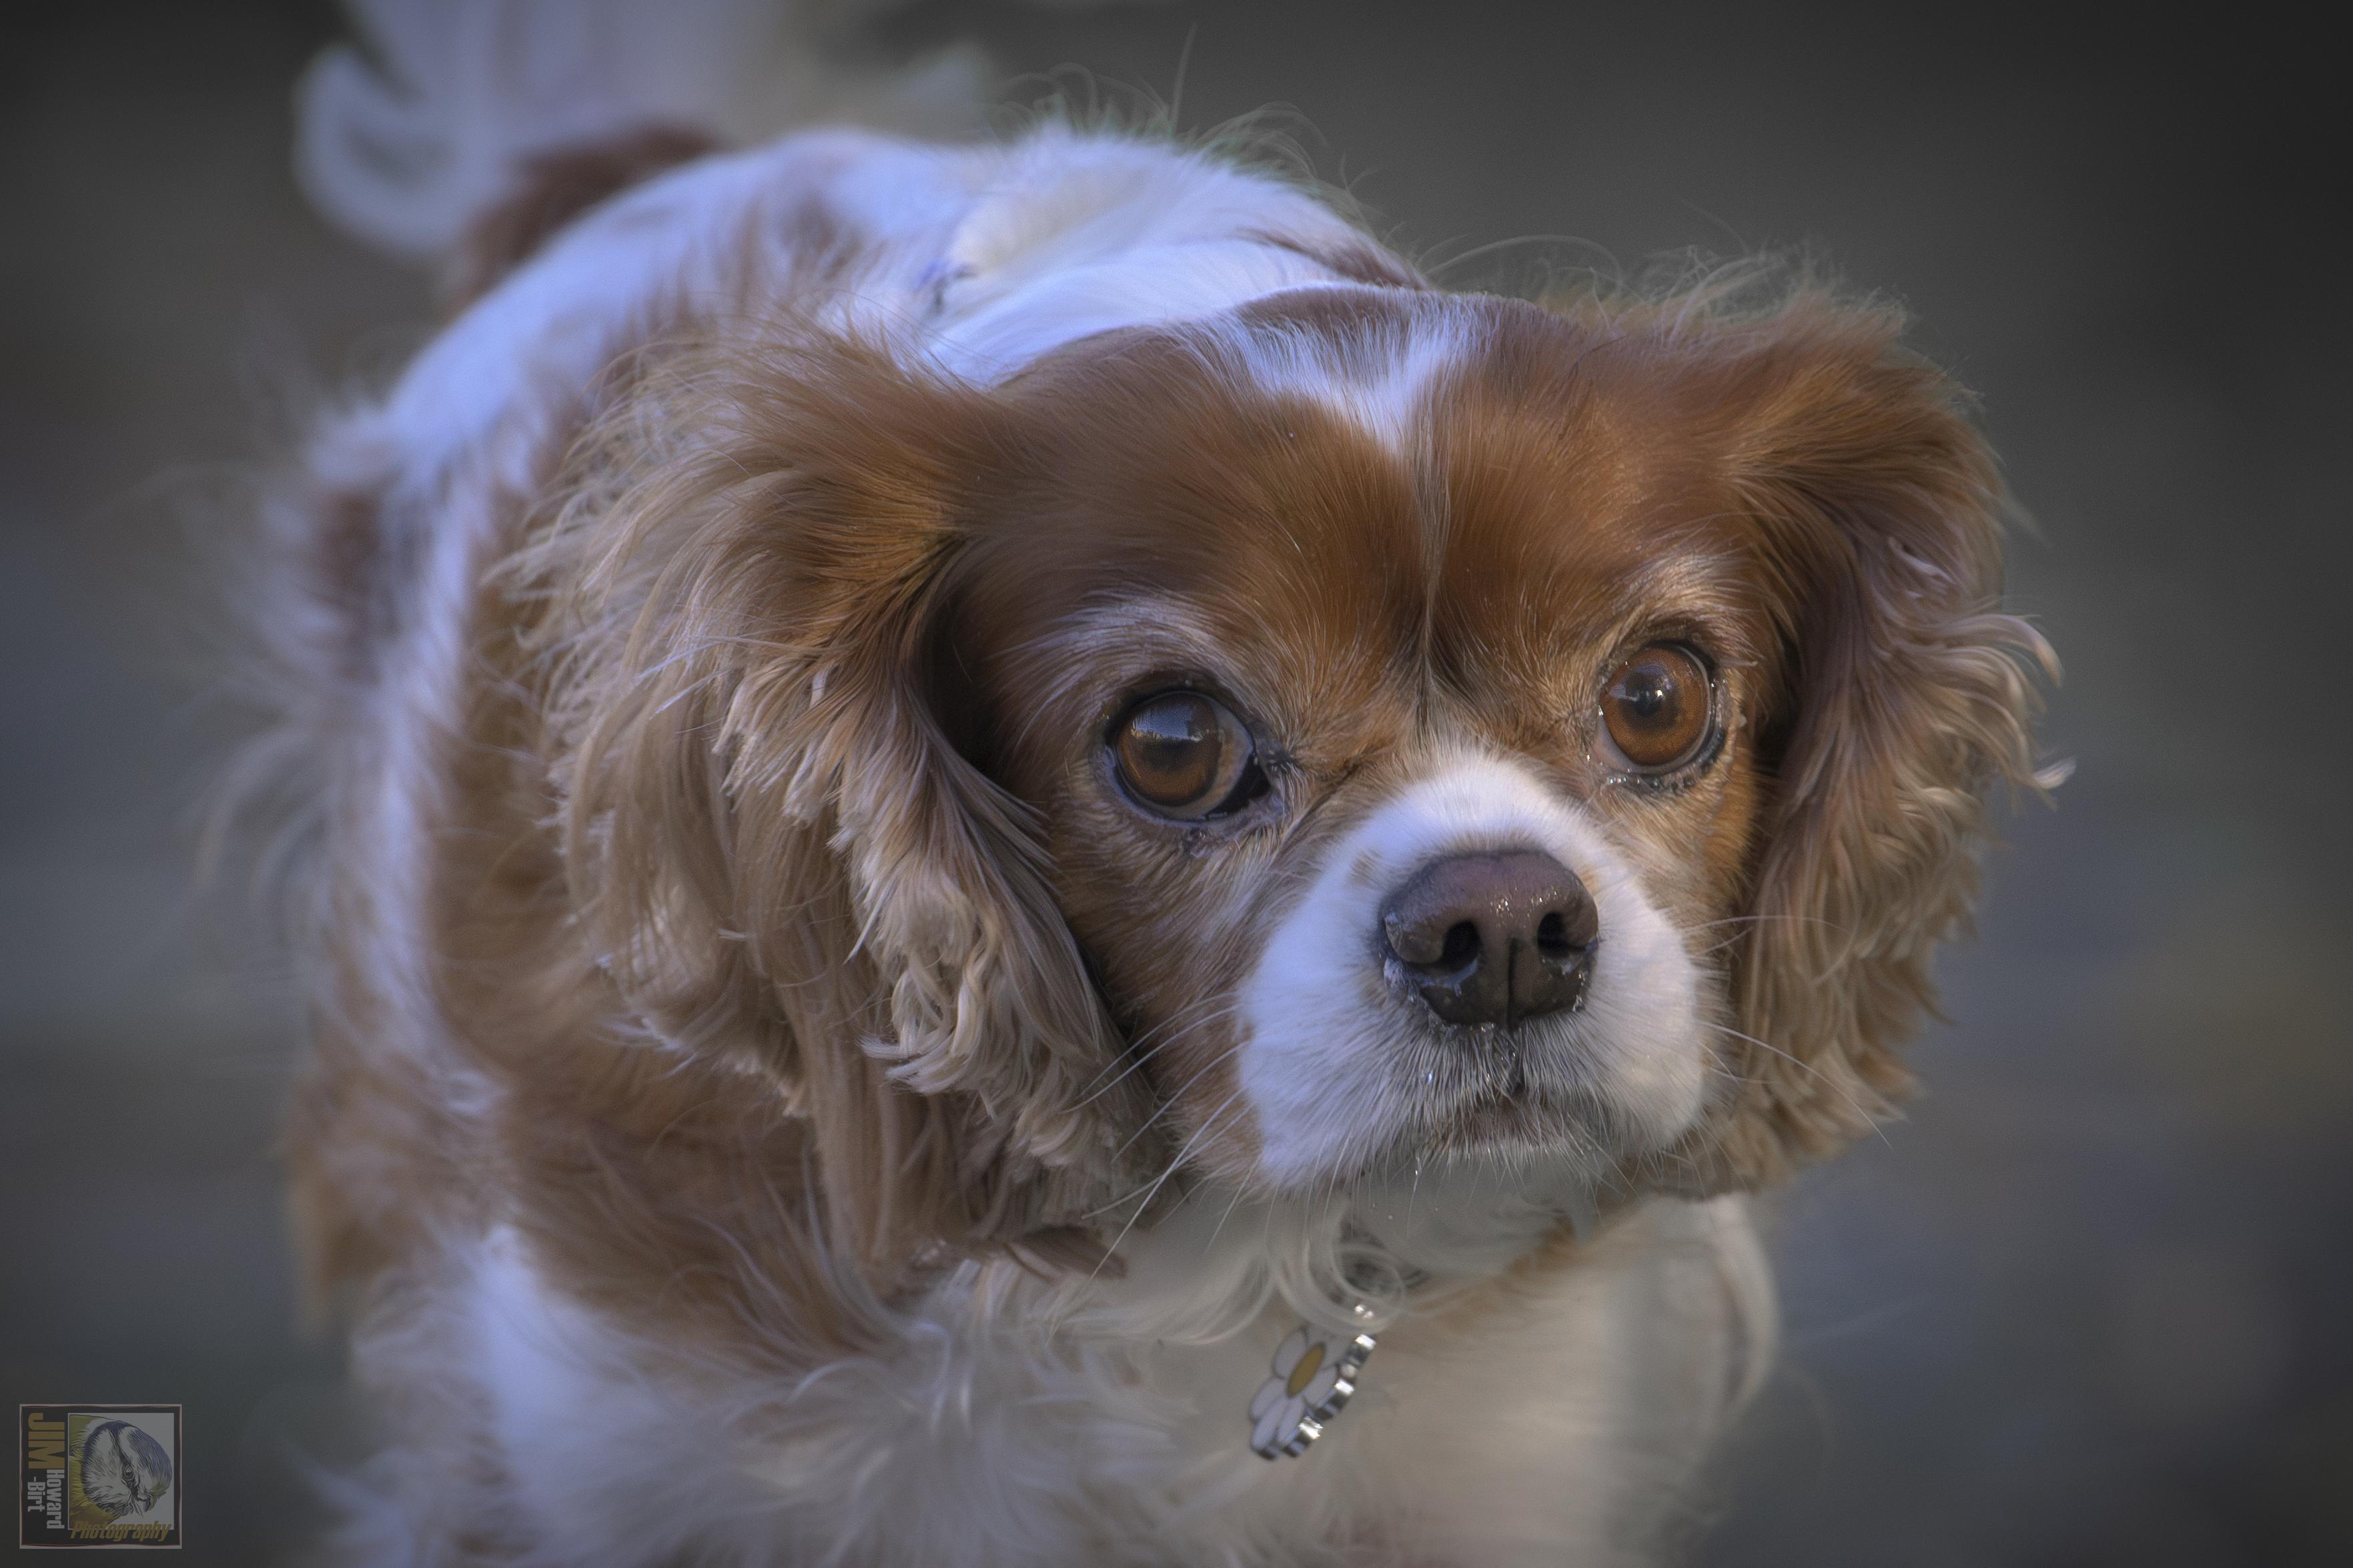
x=1018, y=858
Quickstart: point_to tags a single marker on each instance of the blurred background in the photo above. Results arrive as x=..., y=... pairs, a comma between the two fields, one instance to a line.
x=2091, y=1303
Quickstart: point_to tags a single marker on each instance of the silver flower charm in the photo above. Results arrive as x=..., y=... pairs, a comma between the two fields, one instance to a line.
x=1314, y=1374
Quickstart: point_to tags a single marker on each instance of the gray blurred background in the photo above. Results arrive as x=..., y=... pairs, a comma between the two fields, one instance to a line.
x=2091, y=1303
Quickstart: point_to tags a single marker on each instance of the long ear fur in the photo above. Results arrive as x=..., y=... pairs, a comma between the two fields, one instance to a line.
x=781, y=856
x=1879, y=506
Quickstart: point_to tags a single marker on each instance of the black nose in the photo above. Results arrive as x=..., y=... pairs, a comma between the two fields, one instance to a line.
x=1494, y=939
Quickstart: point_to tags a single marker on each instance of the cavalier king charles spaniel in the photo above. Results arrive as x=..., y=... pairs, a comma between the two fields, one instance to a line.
x=1023, y=859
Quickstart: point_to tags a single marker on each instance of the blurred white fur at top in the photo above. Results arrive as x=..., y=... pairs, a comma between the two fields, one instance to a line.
x=407, y=135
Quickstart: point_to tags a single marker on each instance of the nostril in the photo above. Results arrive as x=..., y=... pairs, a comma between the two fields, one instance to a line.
x=1552, y=935
x=1569, y=929
x=1461, y=945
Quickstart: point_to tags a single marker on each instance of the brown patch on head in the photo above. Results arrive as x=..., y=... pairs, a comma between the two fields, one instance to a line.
x=551, y=189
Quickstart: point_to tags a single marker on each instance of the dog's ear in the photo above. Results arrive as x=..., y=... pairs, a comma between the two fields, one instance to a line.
x=1876, y=510
x=783, y=856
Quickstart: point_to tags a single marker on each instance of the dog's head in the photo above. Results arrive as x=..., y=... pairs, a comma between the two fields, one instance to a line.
x=1370, y=727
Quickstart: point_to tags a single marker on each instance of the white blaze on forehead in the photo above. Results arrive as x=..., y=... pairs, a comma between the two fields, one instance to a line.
x=1328, y=1045
x=1381, y=383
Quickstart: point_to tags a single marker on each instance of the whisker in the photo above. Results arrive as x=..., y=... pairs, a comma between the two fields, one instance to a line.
x=1212, y=1010
x=1220, y=1229
x=1170, y=1103
x=1763, y=920
x=1175, y=1164
x=1852, y=1104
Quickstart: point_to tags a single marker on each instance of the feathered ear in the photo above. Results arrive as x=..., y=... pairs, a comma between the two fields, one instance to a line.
x=783, y=856
x=1878, y=510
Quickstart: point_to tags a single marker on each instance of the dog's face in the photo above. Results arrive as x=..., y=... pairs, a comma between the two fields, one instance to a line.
x=1373, y=727
x=1398, y=758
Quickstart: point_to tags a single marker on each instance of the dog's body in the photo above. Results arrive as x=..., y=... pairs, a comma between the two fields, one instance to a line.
x=758, y=1117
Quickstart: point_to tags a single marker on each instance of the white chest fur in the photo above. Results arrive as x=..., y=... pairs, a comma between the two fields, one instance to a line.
x=1549, y=1415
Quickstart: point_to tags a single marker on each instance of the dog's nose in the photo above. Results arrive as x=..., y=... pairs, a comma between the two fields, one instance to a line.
x=1494, y=938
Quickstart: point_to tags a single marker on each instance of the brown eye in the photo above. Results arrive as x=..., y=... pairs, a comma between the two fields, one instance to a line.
x=1657, y=706
x=1185, y=756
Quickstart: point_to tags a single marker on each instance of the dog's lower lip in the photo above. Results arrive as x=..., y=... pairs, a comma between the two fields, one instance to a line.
x=1499, y=1114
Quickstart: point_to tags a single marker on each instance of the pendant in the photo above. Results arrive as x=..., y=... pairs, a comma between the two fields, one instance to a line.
x=1314, y=1374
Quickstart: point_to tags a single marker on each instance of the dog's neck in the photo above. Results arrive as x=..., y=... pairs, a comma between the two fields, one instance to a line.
x=1217, y=1260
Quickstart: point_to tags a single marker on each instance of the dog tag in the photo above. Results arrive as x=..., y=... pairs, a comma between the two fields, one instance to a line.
x=1314, y=1373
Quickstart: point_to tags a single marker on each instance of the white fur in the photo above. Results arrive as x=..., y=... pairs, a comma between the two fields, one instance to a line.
x=1384, y=393
x=403, y=151
x=1014, y=1422
x=1335, y=1065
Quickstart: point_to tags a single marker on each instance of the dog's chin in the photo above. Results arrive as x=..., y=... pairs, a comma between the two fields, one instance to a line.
x=1501, y=1131
x=1482, y=1178
x=1526, y=1128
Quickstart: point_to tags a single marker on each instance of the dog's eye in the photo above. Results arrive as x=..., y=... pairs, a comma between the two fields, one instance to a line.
x=1656, y=707
x=1185, y=756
